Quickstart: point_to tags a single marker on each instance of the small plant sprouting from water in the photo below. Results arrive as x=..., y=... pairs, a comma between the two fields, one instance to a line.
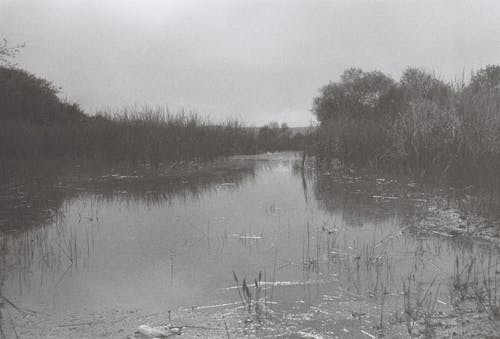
x=419, y=305
x=473, y=281
x=252, y=303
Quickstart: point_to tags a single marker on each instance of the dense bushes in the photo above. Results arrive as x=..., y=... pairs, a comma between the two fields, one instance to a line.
x=27, y=98
x=420, y=124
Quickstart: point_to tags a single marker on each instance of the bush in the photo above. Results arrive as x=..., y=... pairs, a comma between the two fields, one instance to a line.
x=27, y=98
x=419, y=125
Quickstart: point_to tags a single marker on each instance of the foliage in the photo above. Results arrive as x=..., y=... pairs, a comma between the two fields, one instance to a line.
x=419, y=124
x=36, y=123
x=274, y=137
x=354, y=115
x=358, y=94
x=25, y=97
x=8, y=52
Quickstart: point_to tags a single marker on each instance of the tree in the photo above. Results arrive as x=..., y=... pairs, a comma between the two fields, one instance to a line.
x=486, y=78
x=355, y=115
x=358, y=94
x=7, y=52
x=417, y=84
x=274, y=137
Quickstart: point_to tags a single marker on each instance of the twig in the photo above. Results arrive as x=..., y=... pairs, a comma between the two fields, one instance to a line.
x=21, y=311
x=225, y=325
x=368, y=334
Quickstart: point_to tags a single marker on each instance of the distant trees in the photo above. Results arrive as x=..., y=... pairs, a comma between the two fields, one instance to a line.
x=419, y=124
x=274, y=137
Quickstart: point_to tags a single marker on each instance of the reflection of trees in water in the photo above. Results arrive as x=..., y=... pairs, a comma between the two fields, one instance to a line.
x=370, y=264
x=26, y=206
x=35, y=201
x=157, y=190
x=39, y=245
x=350, y=197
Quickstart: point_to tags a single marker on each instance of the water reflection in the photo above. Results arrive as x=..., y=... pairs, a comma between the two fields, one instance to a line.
x=25, y=204
x=130, y=240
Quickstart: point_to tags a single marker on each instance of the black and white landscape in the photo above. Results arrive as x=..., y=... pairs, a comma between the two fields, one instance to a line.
x=249, y=168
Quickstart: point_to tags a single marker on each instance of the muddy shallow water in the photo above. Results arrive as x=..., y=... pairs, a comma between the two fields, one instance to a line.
x=336, y=253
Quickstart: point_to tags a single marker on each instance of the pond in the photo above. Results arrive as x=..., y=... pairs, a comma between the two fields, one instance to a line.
x=335, y=253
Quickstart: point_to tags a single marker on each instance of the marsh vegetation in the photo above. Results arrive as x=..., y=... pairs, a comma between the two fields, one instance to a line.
x=328, y=253
x=385, y=225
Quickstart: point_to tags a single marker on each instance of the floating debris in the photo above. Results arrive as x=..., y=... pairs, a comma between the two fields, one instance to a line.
x=158, y=331
x=385, y=197
x=329, y=230
x=215, y=306
x=419, y=200
x=309, y=335
x=253, y=237
x=246, y=236
x=442, y=234
x=285, y=283
x=152, y=332
x=331, y=297
x=368, y=334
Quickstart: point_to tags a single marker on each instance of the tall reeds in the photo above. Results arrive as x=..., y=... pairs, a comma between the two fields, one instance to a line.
x=138, y=135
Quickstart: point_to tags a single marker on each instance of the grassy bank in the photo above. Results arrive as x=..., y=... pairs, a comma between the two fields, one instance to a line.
x=35, y=123
x=420, y=124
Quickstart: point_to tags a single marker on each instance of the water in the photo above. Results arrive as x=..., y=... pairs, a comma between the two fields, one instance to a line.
x=330, y=248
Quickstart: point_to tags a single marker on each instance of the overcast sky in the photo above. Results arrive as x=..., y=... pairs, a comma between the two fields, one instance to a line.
x=253, y=60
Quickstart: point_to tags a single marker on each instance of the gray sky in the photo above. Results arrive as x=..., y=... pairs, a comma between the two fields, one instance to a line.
x=253, y=60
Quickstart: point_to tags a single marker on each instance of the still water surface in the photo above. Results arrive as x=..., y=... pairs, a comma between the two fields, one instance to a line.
x=117, y=242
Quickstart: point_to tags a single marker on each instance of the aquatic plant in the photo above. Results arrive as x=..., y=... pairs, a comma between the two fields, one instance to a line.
x=252, y=303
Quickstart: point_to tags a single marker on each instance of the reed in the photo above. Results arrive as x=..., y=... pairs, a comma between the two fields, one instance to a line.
x=136, y=135
x=252, y=303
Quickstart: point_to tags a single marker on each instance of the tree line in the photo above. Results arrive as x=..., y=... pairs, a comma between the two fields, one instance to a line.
x=420, y=124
